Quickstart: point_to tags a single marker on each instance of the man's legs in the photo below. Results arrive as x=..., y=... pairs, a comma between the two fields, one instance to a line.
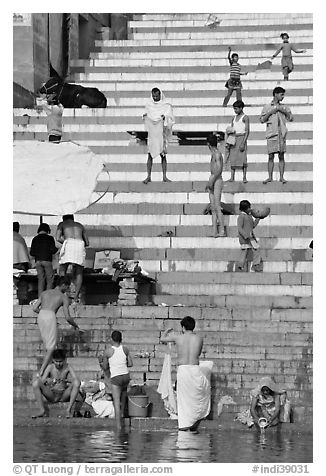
x=40, y=277
x=149, y=169
x=227, y=97
x=123, y=399
x=71, y=394
x=164, y=167
x=244, y=178
x=63, y=269
x=47, y=359
x=48, y=273
x=239, y=94
x=281, y=166
x=116, y=394
x=41, y=390
x=243, y=259
x=257, y=260
x=79, y=279
x=232, y=175
x=218, y=187
x=270, y=168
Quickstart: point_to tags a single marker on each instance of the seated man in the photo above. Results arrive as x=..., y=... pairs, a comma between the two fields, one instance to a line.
x=59, y=383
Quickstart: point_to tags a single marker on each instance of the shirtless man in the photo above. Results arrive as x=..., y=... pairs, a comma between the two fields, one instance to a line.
x=193, y=387
x=215, y=184
x=73, y=236
x=46, y=306
x=59, y=383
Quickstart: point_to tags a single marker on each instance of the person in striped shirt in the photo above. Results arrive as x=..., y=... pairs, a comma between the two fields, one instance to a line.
x=234, y=82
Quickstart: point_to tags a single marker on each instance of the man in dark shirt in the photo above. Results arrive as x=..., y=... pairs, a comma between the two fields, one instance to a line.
x=42, y=248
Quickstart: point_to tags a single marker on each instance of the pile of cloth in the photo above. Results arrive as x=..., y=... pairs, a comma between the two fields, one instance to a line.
x=98, y=398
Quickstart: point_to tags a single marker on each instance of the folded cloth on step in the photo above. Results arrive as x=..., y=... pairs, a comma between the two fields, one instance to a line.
x=73, y=251
x=193, y=394
x=165, y=387
x=98, y=399
x=265, y=65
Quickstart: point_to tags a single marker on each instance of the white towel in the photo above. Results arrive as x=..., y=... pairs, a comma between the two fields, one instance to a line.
x=165, y=388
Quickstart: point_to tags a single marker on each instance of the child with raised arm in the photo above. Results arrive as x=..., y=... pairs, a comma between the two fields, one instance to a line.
x=234, y=82
x=286, y=48
x=59, y=383
x=214, y=186
x=247, y=239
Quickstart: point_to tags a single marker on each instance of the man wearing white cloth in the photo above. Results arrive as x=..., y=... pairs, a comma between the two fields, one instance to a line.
x=158, y=118
x=193, y=386
x=73, y=236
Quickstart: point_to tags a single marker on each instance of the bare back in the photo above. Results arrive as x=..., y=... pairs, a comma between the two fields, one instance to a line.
x=189, y=347
x=52, y=300
x=71, y=229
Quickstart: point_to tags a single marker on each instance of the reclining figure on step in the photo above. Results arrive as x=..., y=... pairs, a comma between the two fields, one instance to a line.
x=59, y=383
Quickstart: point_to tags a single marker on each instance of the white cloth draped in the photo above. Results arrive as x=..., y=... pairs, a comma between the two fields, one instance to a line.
x=53, y=179
x=165, y=387
x=159, y=129
x=193, y=393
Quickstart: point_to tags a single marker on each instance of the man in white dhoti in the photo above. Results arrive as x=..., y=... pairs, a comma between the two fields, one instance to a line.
x=158, y=118
x=193, y=386
x=73, y=237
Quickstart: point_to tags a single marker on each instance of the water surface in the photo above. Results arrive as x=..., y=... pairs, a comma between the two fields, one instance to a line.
x=83, y=445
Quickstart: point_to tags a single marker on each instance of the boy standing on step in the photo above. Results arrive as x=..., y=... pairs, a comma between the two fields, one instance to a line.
x=234, y=82
x=274, y=115
x=247, y=239
x=287, y=62
x=214, y=186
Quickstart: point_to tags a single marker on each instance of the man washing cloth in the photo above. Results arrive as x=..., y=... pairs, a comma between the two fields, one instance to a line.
x=193, y=386
x=158, y=118
x=73, y=236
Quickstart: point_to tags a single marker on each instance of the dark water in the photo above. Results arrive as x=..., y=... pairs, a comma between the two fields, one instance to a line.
x=76, y=445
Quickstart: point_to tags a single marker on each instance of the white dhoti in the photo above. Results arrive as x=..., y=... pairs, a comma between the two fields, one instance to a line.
x=47, y=323
x=73, y=251
x=155, y=140
x=193, y=395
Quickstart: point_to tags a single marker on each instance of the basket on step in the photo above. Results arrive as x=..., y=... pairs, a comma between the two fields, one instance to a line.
x=138, y=405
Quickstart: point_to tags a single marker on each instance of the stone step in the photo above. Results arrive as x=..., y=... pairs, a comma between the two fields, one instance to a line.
x=147, y=62
x=253, y=98
x=30, y=116
x=236, y=17
x=176, y=243
x=196, y=197
x=192, y=176
x=180, y=223
x=292, y=22
x=193, y=47
x=269, y=33
x=121, y=124
x=178, y=68
x=189, y=76
x=288, y=302
x=176, y=40
x=261, y=84
x=302, y=228
x=211, y=54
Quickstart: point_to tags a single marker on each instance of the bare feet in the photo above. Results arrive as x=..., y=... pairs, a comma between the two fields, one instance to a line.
x=268, y=180
x=245, y=180
x=230, y=180
x=282, y=180
x=165, y=179
x=147, y=180
x=43, y=414
x=68, y=414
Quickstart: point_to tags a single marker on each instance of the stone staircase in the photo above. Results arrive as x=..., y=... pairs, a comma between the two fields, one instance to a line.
x=253, y=324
